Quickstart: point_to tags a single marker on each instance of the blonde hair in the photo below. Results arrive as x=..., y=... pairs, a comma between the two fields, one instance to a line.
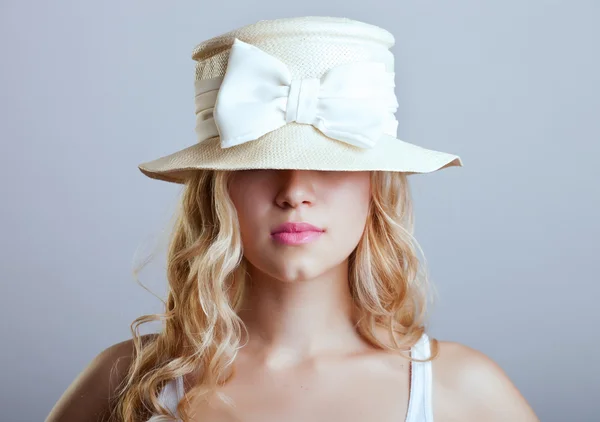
x=206, y=279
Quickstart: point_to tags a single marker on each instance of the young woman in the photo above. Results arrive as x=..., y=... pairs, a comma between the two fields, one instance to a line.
x=295, y=288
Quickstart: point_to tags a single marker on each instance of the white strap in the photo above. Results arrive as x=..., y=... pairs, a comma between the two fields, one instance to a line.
x=420, y=403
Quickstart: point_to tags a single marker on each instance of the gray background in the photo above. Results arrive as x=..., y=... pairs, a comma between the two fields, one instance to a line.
x=91, y=89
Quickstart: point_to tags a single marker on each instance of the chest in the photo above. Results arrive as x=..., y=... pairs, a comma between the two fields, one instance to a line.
x=351, y=395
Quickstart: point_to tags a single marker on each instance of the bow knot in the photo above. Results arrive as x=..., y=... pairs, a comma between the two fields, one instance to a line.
x=302, y=100
x=353, y=102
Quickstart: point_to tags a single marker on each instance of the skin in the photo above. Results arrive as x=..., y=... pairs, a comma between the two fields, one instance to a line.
x=304, y=359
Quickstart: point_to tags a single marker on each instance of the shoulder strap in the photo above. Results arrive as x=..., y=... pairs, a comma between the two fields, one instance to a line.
x=180, y=388
x=170, y=396
x=420, y=401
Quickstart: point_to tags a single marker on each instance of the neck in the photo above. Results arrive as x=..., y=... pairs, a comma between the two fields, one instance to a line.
x=291, y=321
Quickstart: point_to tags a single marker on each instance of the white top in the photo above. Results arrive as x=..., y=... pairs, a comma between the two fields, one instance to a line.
x=419, y=402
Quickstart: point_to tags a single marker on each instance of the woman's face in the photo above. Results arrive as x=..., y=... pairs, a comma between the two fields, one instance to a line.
x=335, y=201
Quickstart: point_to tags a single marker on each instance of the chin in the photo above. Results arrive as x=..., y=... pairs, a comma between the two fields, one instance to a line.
x=292, y=266
x=296, y=274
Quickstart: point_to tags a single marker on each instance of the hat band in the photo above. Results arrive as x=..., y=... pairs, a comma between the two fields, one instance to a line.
x=353, y=102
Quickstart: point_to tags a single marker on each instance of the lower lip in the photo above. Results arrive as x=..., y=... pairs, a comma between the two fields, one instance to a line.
x=296, y=238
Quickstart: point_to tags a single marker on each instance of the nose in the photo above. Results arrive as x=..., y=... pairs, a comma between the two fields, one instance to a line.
x=296, y=187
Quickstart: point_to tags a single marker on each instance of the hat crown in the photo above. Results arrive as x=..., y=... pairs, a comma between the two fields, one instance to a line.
x=309, y=45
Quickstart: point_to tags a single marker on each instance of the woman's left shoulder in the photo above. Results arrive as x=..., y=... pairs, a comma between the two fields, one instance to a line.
x=472, y=385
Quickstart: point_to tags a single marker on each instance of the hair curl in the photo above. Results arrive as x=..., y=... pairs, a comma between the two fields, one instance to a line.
x=206, y=278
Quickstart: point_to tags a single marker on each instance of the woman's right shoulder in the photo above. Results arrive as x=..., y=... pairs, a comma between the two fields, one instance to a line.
x=88, y=397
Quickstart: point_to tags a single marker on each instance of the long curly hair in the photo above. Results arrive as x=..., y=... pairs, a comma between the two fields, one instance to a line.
x=206, y=273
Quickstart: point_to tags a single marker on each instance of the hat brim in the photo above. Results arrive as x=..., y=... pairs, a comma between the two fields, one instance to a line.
x=301, y=147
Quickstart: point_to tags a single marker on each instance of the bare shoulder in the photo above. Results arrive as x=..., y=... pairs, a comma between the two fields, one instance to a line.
x=88, y=396
x=470, y=386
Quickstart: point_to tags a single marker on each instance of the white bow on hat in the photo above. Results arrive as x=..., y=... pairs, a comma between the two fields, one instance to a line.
x=354, y=102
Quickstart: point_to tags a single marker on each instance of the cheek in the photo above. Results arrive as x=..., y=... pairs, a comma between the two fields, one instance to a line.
x=348, y=206
x=254, y=210
x=349, y=222
x=250, y=210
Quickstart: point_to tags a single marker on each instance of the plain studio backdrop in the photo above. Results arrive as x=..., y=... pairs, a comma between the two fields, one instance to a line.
x=91, y=89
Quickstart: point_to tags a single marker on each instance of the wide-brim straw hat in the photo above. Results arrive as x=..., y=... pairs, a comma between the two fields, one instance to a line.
x=307, y=93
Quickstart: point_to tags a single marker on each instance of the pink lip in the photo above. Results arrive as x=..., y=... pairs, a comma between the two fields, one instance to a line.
x=296, y=233
x=297, y=238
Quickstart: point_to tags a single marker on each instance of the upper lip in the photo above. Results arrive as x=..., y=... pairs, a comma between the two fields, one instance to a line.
x=290, y=227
